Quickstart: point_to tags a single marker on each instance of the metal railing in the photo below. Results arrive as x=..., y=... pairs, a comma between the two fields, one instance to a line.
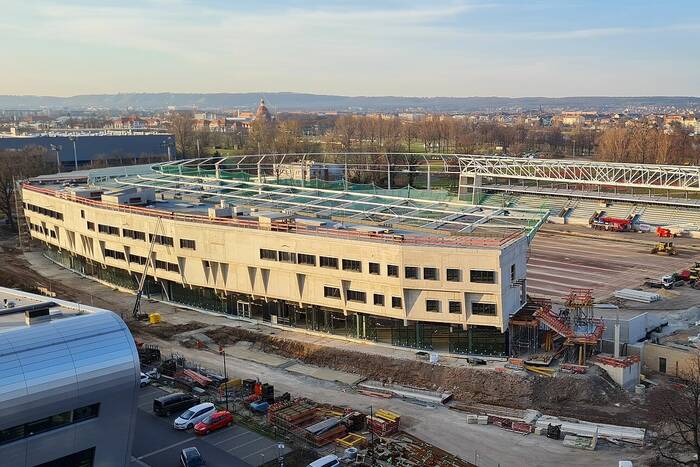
x=454, y=241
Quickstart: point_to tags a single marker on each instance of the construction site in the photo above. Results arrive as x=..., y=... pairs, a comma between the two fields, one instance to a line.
x=558, y=374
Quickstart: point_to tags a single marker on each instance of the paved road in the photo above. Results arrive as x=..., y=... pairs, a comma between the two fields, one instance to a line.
x=158, y=444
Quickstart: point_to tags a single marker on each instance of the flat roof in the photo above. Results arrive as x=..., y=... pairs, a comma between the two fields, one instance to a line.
x=11, y=299
x=179, y=190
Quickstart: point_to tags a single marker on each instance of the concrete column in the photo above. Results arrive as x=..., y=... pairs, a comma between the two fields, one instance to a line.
x=617, y=340
x=476, y=189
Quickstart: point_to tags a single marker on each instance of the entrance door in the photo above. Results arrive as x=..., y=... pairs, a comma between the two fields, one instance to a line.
x=662, y=365
x=243, y=309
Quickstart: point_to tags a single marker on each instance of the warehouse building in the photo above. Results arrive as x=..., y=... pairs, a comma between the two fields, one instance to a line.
x=69, y=377
x=406, y=271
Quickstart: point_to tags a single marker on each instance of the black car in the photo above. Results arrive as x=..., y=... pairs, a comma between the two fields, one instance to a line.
x=190, y=457
x=176, y=402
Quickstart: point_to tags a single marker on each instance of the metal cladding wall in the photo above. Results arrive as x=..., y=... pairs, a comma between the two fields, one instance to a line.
x=95, y=146
x=65, y=364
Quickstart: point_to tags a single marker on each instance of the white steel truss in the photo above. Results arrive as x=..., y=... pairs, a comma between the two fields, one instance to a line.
x=648, y=176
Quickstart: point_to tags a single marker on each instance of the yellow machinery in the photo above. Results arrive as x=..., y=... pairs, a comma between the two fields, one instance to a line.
x=664, y=248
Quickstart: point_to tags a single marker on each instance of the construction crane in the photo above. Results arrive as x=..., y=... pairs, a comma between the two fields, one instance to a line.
x=136, y=313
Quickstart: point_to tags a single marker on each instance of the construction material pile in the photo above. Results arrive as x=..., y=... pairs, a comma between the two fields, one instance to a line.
x=637, y=295
x=383, y=423
x=306, y=420
x=406, y=450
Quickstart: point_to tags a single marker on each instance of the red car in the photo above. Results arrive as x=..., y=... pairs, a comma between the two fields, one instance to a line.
x=214, y=422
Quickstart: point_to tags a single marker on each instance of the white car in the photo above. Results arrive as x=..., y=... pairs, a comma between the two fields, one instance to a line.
x=145, y=379
x=194, y=415
x=326, y=461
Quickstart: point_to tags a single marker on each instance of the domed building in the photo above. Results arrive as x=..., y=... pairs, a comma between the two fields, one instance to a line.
x=262, y=112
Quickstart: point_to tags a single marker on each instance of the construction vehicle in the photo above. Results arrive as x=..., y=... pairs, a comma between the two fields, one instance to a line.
x=672, y=281
x=664, y=248
x=600, y=221
x=664, y=232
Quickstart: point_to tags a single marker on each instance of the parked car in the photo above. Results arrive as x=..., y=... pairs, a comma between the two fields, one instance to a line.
x=214, y=422
x=326, y=461
x=190, y=417
x=145, y=379
x=171, y=403
x=190, y=457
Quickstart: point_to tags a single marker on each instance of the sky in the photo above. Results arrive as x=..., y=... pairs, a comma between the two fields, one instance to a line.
x=352, y=47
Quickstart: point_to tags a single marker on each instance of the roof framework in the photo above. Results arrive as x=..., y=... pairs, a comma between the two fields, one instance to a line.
x=443, y=217
x=648, y=176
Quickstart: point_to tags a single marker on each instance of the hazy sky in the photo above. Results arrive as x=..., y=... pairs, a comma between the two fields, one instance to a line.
x=352, y=47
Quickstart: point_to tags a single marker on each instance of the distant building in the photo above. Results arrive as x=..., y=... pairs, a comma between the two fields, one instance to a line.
x=68, y=384
x=263, y=113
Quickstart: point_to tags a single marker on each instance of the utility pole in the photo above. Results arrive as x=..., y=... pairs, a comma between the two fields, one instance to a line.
x=198, y=154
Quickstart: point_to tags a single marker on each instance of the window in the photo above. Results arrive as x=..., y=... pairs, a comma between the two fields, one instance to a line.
x=161, y=239
x=287, y=257
x=137, y=259
x=392, y=270
x=86, y=413
x=82, y=213
x=44, y=211
x=454, y=275
x=187, y=244
x=512, y=272
x=268, y=254
x=108, y=229
x=309, y=260
x=430, y=274
x=84, y=458
x=8, y=435
x=114, y=254
x=433, y=306
x=455, y=307
x=396, y=302
x=331, y=292
x=488, y=309
x=135, y=234
x=352, y=265
x=49, y=423
x=170, y=267
x=662, y=365
x=379, y=299
x=91, y=226
x=482, y=277
x=357, y=296
x=411, y=272
x=328, y=262
x=374, y=268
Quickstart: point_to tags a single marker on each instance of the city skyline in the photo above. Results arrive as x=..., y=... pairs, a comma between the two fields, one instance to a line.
x=386, y=48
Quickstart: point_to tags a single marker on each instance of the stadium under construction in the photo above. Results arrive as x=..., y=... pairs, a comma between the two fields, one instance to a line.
x=431, y=255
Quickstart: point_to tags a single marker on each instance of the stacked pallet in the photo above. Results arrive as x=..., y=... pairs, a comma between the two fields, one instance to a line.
x=384, y=423
x=292, y=413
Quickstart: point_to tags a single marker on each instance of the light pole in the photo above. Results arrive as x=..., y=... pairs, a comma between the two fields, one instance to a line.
x=75, y=150
x=222, y=351
x=57, y=148
x=280, y=452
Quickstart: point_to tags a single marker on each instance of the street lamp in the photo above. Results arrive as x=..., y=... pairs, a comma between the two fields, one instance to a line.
x=166, y=144
x=75, y=150
x=222, y=351
x=58, y=148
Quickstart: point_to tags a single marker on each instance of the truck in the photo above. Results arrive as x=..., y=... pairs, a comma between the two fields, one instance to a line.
x=600, y=221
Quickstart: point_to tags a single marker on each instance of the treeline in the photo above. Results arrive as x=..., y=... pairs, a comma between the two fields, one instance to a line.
x=442, y=134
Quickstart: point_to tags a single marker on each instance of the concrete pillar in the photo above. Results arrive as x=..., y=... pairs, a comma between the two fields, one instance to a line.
x=617, y=340
x=476, y=189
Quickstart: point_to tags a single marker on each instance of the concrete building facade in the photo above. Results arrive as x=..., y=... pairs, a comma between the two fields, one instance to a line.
x=288, y=269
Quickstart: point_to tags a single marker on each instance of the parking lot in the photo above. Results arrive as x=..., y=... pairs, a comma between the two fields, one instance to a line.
x=158, y=444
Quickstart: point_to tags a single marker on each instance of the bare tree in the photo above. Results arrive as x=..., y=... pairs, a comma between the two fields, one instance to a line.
x=182, y=126
x=677, y=411
x=16, y=166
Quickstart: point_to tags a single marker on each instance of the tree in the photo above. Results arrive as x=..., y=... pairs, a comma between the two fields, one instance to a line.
x=677, y=411
x=16, y=166
x=182, y=126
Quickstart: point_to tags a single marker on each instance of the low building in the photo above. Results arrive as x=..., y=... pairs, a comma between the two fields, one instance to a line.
x=69, y=376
